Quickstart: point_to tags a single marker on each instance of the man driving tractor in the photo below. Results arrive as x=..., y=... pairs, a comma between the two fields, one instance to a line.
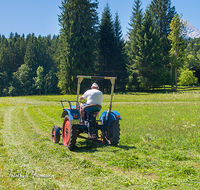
x=108, y=123
x=94, y=96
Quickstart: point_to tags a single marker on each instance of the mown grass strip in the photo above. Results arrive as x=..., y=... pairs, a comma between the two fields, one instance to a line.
x=31, y=151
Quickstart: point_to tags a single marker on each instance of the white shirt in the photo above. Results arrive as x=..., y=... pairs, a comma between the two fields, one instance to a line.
x=93, y=96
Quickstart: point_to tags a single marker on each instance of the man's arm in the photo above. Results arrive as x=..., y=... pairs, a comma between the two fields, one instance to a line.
x=84, y=95
x=81, y=98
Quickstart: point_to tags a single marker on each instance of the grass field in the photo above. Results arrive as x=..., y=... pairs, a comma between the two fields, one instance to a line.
x=159, y=146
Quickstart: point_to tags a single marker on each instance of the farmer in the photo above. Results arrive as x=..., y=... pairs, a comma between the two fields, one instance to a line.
x=94, y=96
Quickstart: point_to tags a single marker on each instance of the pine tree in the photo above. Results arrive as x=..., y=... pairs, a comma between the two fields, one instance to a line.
x=48, y=62
x=151, y=72
x=51, y=79
x=78, y=20
x=31, y=54
x=13, y=52
x=163, y=13
x=132, y=45
x=21, y=48
x=120, y=70
x=31, y=64
x=106, y=46
x=5, y=66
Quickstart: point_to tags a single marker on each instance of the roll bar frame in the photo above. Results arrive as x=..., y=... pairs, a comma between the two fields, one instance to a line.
x=112, y=80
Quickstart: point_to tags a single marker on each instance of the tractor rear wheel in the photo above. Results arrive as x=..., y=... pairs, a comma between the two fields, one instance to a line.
x=69, y=134
x=55, y=134
x=111, y=134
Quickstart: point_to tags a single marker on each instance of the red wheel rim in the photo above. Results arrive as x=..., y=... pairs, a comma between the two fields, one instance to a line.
x=66, y=133
x=53, y=135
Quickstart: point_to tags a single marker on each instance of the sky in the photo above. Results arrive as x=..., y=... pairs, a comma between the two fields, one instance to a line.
x=41, y=16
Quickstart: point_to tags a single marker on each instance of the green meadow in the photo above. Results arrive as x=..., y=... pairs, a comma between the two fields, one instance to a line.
x=159, y=145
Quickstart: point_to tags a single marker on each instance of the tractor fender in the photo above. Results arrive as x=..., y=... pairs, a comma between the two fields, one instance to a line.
x=65, y=112
x=113, y=115
x=70, y=113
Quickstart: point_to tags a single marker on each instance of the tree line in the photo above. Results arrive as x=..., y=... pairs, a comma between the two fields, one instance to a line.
x=88, y=45
x=26, y=61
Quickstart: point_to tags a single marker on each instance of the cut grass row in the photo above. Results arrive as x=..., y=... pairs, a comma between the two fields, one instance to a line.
x=159, y=146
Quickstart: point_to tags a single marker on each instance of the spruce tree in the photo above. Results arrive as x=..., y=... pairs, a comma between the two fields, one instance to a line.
x=31, y=54
x=151, y=72
x=78, y=21
x=20, y=45
x=106, y=46
x=13, y=52
x=51, y=79
x=5, y=66
x=119, y=68
x=163, y=13
x=132, y=45
x=31, y=64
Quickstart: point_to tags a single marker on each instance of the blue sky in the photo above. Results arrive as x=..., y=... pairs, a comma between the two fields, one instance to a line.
x=40, y=16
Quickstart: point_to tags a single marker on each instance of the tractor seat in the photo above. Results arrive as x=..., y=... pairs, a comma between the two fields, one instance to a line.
x=92, y=108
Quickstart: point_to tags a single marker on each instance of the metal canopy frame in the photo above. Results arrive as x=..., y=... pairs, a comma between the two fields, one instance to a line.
x=112, y=80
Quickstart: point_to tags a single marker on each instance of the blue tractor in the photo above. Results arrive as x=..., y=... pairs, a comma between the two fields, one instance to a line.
x=106, y=130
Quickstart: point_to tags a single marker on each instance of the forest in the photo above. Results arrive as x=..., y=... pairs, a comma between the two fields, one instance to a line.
x=89, y=45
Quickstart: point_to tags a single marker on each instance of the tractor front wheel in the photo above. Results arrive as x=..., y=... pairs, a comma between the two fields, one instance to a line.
x=111, y=134
x=69, y=134
x=55, y=134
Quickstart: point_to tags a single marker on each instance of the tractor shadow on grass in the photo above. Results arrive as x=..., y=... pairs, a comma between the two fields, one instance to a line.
x=89, y=146
x=125, y=147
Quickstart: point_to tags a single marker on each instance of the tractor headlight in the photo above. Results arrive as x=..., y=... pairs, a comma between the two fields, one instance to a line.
x=117, y=116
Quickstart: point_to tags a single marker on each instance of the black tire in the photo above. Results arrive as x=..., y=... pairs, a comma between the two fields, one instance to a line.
x=69, y=134
x=55, y=134
x=111, y=134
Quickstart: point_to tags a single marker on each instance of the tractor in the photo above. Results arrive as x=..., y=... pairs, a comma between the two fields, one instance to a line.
x=106, y=130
